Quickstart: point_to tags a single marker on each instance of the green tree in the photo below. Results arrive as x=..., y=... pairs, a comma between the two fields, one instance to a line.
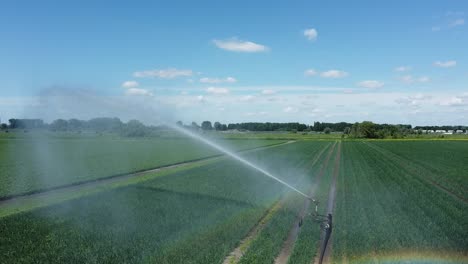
x=217, y=126
x=367, y=129
x=206, y=125
x=327, y=130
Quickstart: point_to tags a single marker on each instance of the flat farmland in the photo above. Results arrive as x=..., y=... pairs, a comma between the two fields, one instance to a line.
x=194, y=216
x=392, y=202
x=389, y=209
x=33, y=164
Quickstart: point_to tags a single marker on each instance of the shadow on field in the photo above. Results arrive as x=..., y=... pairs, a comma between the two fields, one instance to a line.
x=198, y=196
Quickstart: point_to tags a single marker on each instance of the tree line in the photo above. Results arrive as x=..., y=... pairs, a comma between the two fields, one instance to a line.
x=135, y=128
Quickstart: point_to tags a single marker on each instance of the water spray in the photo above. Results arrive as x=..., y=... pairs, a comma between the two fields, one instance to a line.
x=236, y=157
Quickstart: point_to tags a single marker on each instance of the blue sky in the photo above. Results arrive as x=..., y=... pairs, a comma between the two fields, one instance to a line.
x=392, y=61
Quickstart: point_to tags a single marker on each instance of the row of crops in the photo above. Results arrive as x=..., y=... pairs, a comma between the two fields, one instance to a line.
x=384, y=210
x=193, y=216
x=31, y=164
x=396, y=202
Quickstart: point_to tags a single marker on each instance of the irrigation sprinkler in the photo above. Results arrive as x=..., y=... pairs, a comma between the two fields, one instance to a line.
x=326, y=223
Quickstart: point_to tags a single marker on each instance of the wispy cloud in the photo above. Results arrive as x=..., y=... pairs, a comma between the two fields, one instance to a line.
x=268, y=92
x=218, y=80
x=130, y=84
x=410, y=79
x=402, y=68
x=138, y=91
x=334, y=74
x=311, y=34
x=237, y=45
x=371, y=84
x=457, y=22
x=310, y=72
x=169, y=73
x=453, y=101
x=217, y=90
x=290, y=109
x=445, y=64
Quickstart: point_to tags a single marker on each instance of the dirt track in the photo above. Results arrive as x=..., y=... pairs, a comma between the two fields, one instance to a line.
x=331, y=204
x=293, y=233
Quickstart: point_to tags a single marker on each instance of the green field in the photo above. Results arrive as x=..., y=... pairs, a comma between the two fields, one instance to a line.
x=402, y=201
x=29, y=164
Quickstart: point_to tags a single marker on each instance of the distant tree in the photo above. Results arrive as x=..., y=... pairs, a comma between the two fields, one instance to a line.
x=347, y=130
x=75, y=124
x=367, y=129
x=195, y=126
x=206, y=125
x=179, y=123
x=59, y=125
x=327, y=130
x=134, y=128
x=3, y=126
x=217, y=126
x=13, y=123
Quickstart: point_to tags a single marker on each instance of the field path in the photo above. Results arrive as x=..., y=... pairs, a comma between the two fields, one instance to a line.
x=330, y=207
x=413, y=170
x=47, y=197
x=239, y=251
x=288, y=244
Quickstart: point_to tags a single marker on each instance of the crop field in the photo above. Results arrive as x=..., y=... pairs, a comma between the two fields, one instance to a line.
x=392, y=202
x=197, y=215
x=31, y=164
x=392, y=208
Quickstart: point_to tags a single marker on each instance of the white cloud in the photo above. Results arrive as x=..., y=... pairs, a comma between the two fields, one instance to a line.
x=371, y=84
x=218, y=80
x=268, y=92
x=334, y=74
x=311, y=34
x=239, y=45
x=435, y=28
x=290, y=109
x=457, y=22
x=445, y=64
x=130, y=84
x=200, y=98
x=453, y=101
x=247, y=98
x=409, y=79
x=423, y=79
x=310, y=72
x=138, y=91
x=217, y=90
x=169, y=73
x=403, y=68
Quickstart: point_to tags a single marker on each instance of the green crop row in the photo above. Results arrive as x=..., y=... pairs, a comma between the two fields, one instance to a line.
x=444, y=162
x=32, y=164
x=381, y=209
x=193, y=216
x=308, y=242
x=266, y=247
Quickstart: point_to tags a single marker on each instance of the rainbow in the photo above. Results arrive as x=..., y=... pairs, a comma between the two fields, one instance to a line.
x=409, y=256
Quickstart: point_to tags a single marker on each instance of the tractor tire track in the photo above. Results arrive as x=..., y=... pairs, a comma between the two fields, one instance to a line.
x=288, y=244
x=241, y=249
x=398, y=160
x=76, y=187
x=331, y=206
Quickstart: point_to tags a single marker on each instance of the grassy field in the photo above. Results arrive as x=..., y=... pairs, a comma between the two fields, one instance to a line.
x=194, y=216
x=28, y=164
x=384, y=210
x=397, y=201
